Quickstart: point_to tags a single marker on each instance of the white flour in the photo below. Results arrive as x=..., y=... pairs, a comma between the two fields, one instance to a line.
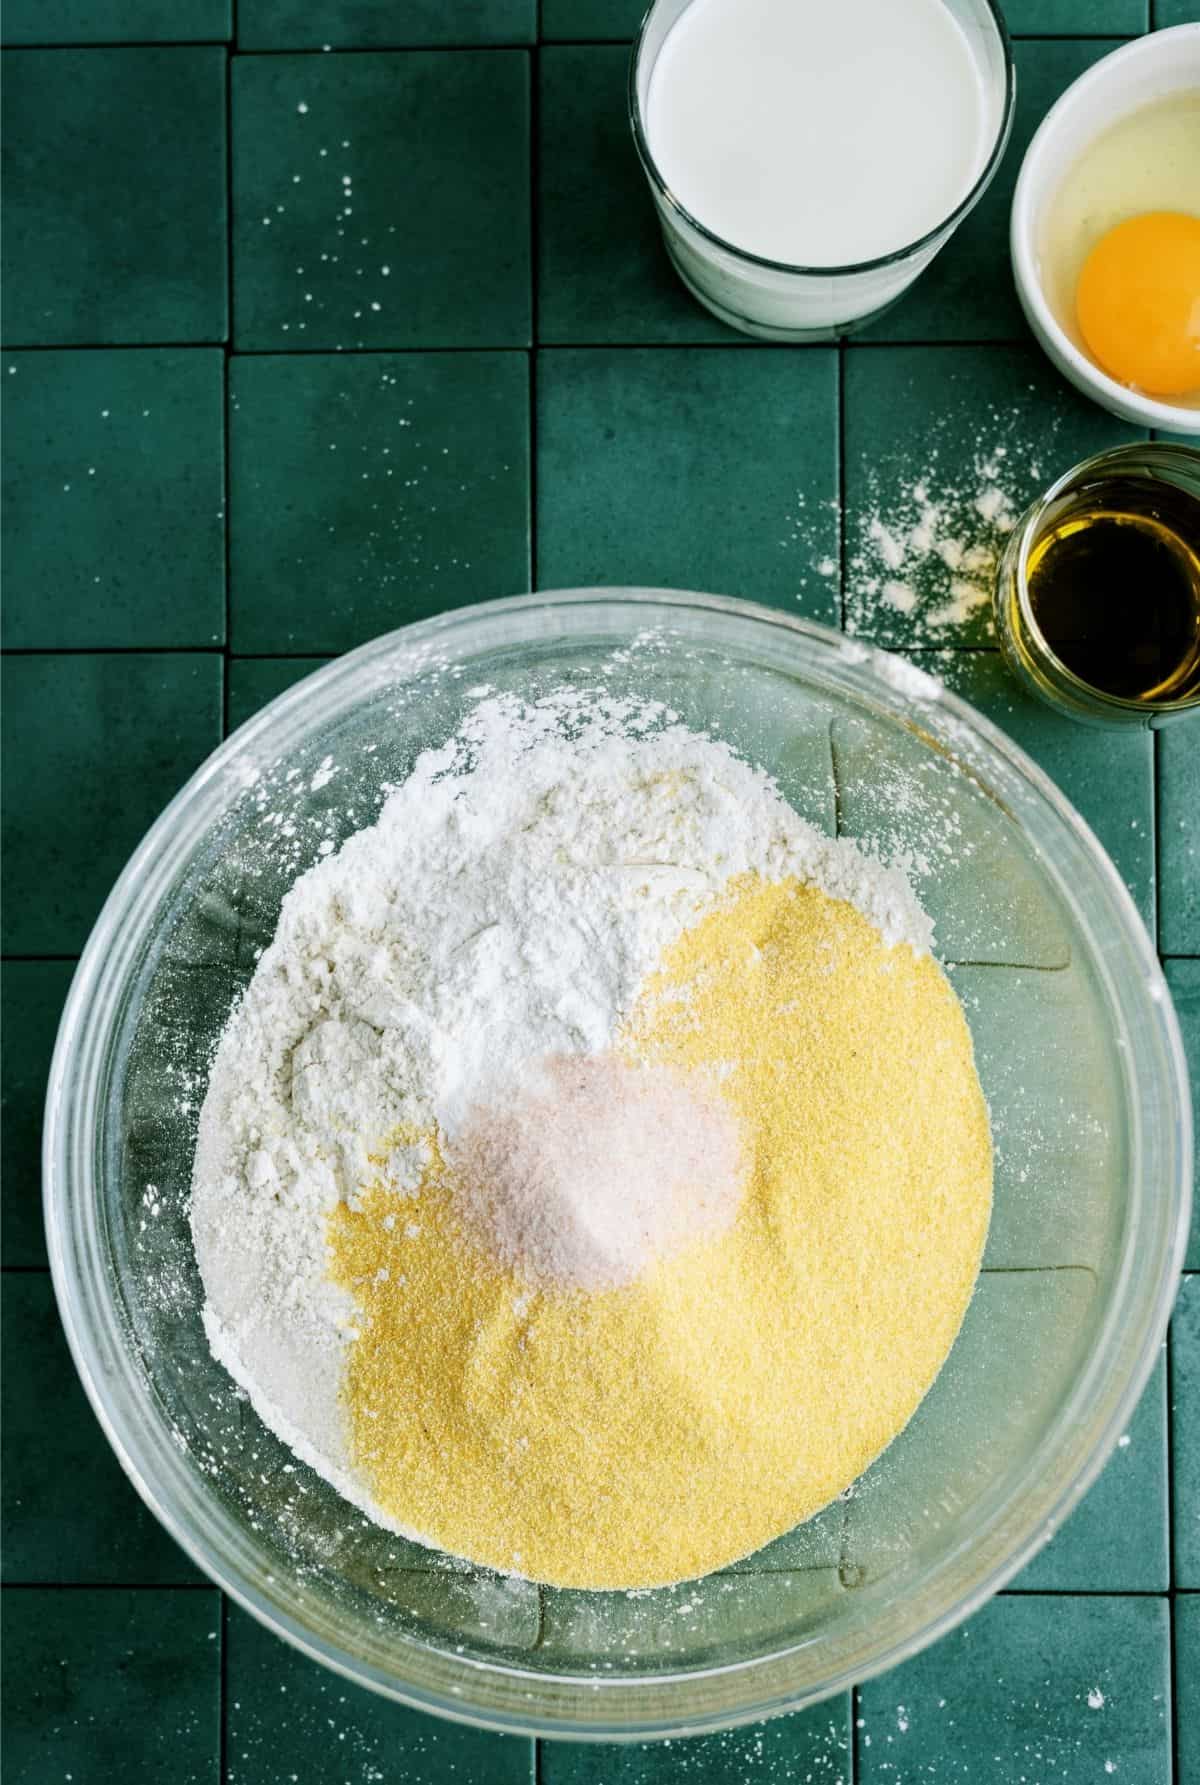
x=505, y=907
x=925, y=548
x=934, y=552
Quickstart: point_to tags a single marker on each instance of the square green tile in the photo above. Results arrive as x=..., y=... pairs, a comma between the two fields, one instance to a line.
x=809, y=1748
x=106, y=1686
x=603, y=273
x=114, y=196
x=1033, y=1688
x=251, y=682
x=1187, y=1686
x=114, y=499
x=116, y=21
x=32, y=994
x=1185, y=1432
x=382, y=24
x=582, y=21
x=1064, y=18
x=1107, y=775
x=70, y=1513
x=369, y=490
x=1183, y=979
x=691, y=468
x=1175, y=12
x=288, y=1719
x=94, y=747
x=381, y=200
x=1179, y=836
x=1117, y=1540
x=937, y=417
x=967, y=294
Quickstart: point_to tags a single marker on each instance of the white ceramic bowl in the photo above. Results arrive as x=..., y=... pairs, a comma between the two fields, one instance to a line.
x=1161, y=63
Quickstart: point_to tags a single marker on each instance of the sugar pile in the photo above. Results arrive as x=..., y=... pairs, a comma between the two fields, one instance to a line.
x=596, y=1166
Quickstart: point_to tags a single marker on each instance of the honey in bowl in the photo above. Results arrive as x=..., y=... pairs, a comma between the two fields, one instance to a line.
x=1114, y=586
x=1097, y=598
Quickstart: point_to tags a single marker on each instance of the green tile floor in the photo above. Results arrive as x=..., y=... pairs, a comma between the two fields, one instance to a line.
x=321, y=315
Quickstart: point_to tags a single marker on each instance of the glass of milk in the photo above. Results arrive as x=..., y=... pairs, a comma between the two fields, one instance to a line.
x=808, y=158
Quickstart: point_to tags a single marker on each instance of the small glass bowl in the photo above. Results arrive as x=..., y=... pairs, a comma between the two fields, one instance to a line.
x=1080, y=1058
x=1026, y=649
x=771, y=299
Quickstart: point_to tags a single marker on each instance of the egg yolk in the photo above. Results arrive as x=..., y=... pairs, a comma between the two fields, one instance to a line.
x=1138, y=303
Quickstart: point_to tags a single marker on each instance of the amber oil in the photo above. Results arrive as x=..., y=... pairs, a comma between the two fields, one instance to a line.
x=1098, y=601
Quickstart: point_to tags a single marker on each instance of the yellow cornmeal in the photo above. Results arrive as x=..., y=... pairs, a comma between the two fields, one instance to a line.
x=639, y=1436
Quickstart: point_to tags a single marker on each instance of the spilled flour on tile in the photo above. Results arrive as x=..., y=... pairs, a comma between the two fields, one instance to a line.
x=925, y=549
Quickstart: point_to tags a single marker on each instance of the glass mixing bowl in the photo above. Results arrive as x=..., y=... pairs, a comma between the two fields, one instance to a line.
x=1080, y=1058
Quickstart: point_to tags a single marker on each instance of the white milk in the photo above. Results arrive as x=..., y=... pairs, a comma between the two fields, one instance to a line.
x=816, y=133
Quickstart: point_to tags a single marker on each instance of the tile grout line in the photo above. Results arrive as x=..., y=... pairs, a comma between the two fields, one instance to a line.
x=1172, y=1659
x=1156, y=769
x=228, y=366
x=110, y=1586
x=535, y=85
x=1168, y=1433
x=192, y=346
x=732, y=345
x=223, y=1690
x=1174, y=1590
x=505, y=46
x=235, y=352
x=1083, y=1592
x=535, y=74
x=120, y=43
x=222, y=1602
x=208, y=1586
x=1168, y=1350
x=18, y=959
x=467, y=47
x=266, y=51
x=206, y=650
x=311, y=656
x=841, y=482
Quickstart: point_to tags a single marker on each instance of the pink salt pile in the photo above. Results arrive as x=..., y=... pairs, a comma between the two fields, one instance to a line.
x=594, y=1168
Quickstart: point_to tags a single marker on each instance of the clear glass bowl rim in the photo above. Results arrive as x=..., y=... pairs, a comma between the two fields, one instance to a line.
x=629, y=1707
x=950, y=222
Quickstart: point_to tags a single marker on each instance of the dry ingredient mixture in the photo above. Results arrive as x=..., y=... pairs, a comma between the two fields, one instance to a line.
x=594, y=1175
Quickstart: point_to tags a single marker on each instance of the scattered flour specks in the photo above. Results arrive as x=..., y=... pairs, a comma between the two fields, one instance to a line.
x=811, y=533
x=924, y=547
